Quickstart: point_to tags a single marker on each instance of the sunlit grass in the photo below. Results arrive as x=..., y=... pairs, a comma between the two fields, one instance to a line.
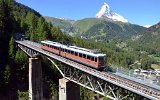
x=155, y=66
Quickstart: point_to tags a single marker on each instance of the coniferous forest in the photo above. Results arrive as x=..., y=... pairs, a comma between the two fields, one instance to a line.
x=17, y=19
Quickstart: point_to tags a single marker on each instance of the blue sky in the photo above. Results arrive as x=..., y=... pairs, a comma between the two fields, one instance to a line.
x=141, y=12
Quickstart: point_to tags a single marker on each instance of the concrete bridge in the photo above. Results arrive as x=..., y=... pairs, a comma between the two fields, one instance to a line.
x=76, y=75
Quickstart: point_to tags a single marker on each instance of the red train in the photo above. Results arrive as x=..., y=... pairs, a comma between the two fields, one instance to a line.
x=85, y=56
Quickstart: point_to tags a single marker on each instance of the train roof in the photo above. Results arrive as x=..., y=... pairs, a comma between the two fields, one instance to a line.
x=75, y=48
x=52, y=43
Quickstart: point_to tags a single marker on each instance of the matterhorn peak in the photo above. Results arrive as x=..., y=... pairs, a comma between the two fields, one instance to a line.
x=106, y=13
x=106, y=5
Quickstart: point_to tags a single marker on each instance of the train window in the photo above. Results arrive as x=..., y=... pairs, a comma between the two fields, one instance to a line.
x=69, y=51
x=80, y=55
x=65, y=50
x=92, y=58
x=72, y=52
x=84, y=56
x=76, y=54
x=101, y=59
x=95, y=59
x=88, y=57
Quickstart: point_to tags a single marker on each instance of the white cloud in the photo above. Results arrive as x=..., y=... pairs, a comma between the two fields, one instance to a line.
x=147, y=26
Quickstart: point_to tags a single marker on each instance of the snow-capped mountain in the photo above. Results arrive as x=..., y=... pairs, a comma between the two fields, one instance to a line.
x=105, y=12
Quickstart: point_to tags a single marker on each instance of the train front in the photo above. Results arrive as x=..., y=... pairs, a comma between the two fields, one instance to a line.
x=102, y=64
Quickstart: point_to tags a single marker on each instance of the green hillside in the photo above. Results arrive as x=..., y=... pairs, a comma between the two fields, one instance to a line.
x=99, y=29
x=64, y=25
x=17, y=19
x=149, y=41
x=85, y=24
x=105, y=30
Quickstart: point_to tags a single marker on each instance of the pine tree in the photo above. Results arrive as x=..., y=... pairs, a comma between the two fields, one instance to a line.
x=5, y=30
x=20, y=57
x=12, y=48
x=43, y=29
x=7, y=73
x=2, y=19
x=31, y=20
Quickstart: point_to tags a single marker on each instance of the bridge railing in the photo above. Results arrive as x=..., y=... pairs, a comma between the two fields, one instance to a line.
x=130, y=73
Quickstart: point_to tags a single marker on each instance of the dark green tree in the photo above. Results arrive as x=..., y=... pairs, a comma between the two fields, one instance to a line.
x=145, y=63
x=31, y=20
x=5, y=31
x=20, y=58
x=7, y=73
x=12, y=48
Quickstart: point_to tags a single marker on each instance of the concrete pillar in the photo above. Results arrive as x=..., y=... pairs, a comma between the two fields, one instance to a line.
x=35, y=79
x=68, y=90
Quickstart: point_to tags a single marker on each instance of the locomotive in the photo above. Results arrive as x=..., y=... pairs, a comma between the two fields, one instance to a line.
x=85, y=56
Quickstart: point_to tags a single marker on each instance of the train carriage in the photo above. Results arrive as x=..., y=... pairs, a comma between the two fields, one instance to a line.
x=85, y=56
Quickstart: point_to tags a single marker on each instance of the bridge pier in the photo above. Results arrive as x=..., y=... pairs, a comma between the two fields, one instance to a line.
x=35, y=79
x=68, y=90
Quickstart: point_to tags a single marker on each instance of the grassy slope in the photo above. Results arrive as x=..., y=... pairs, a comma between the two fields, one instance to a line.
x=65, y=25
x=103, y=30
x=85, y=24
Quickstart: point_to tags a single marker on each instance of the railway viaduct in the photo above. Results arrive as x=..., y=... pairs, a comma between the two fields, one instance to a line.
x=76, y=75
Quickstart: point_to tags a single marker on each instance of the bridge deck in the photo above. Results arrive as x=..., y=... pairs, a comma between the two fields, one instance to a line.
x=149, y=91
